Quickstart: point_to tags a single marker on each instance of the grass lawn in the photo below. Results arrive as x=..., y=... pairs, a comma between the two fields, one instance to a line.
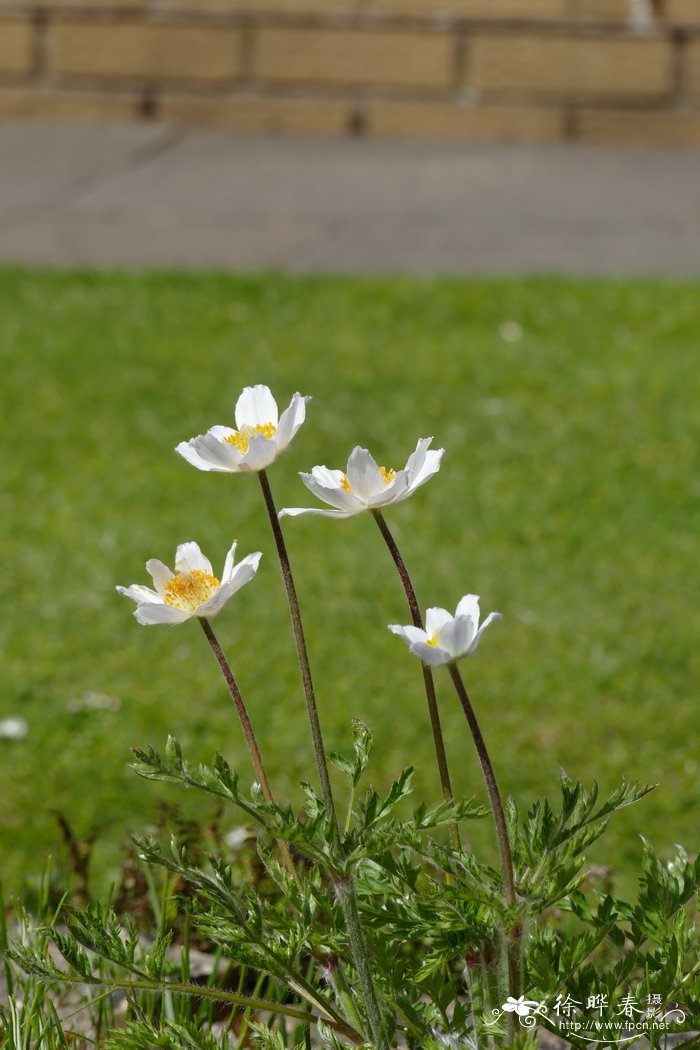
x=569, y=498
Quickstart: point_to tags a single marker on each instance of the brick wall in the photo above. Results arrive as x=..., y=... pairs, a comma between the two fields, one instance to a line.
x=538, y=70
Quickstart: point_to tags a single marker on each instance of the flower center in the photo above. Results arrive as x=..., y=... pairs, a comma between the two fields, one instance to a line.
x=240, y=439
x=432, y=641
x=387, y=477
x=189, y=590
x=387, y=474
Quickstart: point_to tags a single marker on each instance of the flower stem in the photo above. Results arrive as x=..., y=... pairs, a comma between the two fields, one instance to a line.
x=346, y=895
x=345, y=892
x=302, y=653
x=250, y=737
x=433, y=711
x=513, y=936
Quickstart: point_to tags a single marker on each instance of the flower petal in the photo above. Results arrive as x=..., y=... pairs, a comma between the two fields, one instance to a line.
x=242, y=573
x=364, y=475
x=219, y=452
x=150, y=613
x=189, y=557
x=409, y=633
x=469, y=606
x=397, y=489
x=255, y=406
x=140, y=594
x=213, y=605
x=188, y=451
x=261, y=453
x=491, y=618
x=415, y=461
x=325, y=476
x=435, y=619
x=432, y=655
x=422, y=464
x=160, y=574
x=290, y=420
x=245, y=571
x=210, y=451
x=457, y=635
x=430, y=466
x=334, y=495
x=296, y=512
x=229, y=563
x=221, y=433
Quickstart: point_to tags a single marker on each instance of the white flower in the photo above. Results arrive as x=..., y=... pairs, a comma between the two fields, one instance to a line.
x=365, y=485
x=13, y=728
x=259, y=439
x=192, y=590
x=446, y=637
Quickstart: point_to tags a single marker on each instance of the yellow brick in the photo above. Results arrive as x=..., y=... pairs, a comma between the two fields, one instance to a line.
x=602, y=11
x=451, y=121
x=257, y=113
x=570, y=65
x=492, y=10
x=692, y=67
x=44, y=104
x=683, y=12
x=16, y=44
x=272, y=7
x=90, y=6
x=124, y=50
x=355, y=57
x=668, y=128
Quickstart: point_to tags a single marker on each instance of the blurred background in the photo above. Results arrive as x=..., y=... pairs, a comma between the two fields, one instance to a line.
x=480, y=281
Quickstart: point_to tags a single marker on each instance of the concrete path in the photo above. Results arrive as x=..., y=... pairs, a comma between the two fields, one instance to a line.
x=152, y=195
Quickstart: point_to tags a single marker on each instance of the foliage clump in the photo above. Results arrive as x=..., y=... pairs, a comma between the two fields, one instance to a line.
x=370, y=924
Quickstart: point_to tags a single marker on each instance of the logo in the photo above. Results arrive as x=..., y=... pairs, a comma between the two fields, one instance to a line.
x=598, y=1021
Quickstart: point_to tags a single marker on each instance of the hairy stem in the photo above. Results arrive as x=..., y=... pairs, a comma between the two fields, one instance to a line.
x=343, y=993
x=513, y=936
x=433, y=711
x=348, y=901
x=345, y=892
x=250, y=738
x=474, y=976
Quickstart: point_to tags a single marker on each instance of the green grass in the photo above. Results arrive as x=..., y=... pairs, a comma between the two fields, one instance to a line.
x=569, y=499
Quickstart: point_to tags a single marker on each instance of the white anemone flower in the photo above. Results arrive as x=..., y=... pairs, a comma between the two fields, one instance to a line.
x=261, y=435
x=446, y=637
x=365, y=485
x=192, y=589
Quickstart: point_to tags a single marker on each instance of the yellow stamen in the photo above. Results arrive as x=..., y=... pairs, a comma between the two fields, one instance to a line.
x=432, y=641
x=189, y=590
x=240, y=439
x=387, y=474
x=345, y=484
